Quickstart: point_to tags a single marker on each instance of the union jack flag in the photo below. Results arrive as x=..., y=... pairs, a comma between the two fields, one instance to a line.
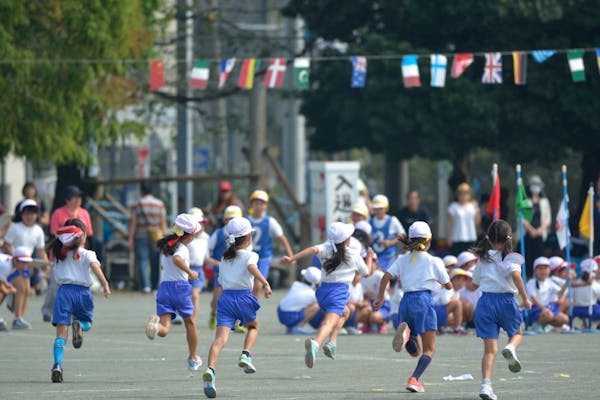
x=492, y=71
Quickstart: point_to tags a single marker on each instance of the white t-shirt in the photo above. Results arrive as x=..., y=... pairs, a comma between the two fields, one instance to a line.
x=198, y=249
x=472, y=296
x=31, y=237
x=234, y=274
x=75, y=272
x=356, y=293
x=344, y=273
x=396, y=299
x=275, y=228
x=463, y=222
x=585, y=296
x=546, y=293
x=442, y=296
x=396, y=227
x=495, y=276
x=558, y=280
x=170, y=271
x=371, y=285
x=422, y=274
x=298, y=297
x=5, y=266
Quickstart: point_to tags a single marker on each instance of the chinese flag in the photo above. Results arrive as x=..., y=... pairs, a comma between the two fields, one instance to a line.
x=157, y=75
x=493, y=206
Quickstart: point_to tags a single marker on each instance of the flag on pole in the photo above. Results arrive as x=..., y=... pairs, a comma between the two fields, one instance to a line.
x=493, y=206
x=461, y=63
x=199, y=75
x=523, y=203
x=275, y=73
x=225, y=68
x=586, y=226
x=246, y=80
x=576, y=65
x=302, y=73
x=359, y=72
x=439, y=64
x=562, y=230
x=492, y=71
x=157, y=75
x=542, y=55
x=520, y=67
x=410, y=71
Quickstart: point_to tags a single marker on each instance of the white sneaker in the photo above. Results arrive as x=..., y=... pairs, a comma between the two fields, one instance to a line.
x=511, y=356
x=486, y=392
x=195, y=363
x=152, y=327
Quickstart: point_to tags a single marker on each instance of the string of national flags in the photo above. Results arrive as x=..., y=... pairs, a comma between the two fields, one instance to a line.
x=277, y=68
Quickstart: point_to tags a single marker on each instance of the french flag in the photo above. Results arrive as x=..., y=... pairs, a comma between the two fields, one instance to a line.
x=410, y=71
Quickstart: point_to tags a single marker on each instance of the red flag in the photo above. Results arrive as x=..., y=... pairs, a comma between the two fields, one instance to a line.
x=157, y=75
x=461, y=63
x=493, y=206
x=275, y=73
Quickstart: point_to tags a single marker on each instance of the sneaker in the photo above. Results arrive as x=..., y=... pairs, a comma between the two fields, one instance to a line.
x=401, y=337
x=365, y=329
x=246, y=363
x=343, y=332
x=152, y=327
x=57, y=373
x=3, y=325
x=147, y=290
x=311, y=348
x=383, y=330
x=486, y=392
x=210, y=390
x=511, y=356
x=77, y=334
x=20, y=323
x=239, y=328
x=177, y=320
x=46, y=318
x=300, y=330
x=353, y=330
x=212, y=322
x=413, y=385
x=329, y=349
x=194, y=363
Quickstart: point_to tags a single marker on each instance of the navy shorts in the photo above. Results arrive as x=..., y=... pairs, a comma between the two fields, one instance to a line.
x=535, y=312
x=333, y=297
x=198, y=283
x=442, y=314
x=234, y=305
x=584, y=311
x=495, y=311
x=264, y=265
x=290, y=318
x=418, y=311
x=174, y=297
x=25, y=273
x=73, y=300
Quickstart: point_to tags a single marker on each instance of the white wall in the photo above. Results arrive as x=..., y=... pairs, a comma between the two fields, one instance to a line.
x=13, y=178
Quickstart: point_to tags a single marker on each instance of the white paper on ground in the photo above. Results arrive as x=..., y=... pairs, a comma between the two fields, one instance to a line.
x=464, y=377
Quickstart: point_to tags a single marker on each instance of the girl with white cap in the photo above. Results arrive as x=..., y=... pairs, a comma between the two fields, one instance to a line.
x=419, y=274
x=585, y=298
x=300, y=305
x=545, y=296
x=175, y=292
x=340, y=264
x=386, y=233
x=238, y=274
x=74, y=304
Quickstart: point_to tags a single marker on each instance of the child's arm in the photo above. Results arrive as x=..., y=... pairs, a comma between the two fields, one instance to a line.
x=253, y=269
x=518, y=280
x=286, y=245
x=100, y=275
x=212, y=262
x=385, y=279
x=369, y=261
x=309, y=251
x=447, y=285
x=179, y=263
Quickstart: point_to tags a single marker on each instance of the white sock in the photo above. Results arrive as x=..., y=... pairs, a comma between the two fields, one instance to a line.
x=511, y=347
x=486, y=381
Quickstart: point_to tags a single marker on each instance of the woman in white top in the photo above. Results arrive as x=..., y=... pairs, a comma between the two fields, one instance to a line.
x=340, y=263
x=463, y=218
x=537, y=229
x=545, y=295
x=174, y=294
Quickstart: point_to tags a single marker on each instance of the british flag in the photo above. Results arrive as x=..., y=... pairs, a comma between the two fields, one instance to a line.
x=492, y=71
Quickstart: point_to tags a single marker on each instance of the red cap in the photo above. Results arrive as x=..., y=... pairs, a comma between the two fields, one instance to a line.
x=225, y=186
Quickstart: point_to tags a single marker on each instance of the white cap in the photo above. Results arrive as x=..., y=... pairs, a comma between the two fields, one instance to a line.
x=196, y=213
x=363, y=226
x=541, y=261
x=419, y=229
x=460, y=272
x=28, y=203
x=589, y=265
x=465, y=257
x=232, y=211
x=311, y=274
x=260, y=195
x=450, y=260
x=338, y=232
x=557, y=262
x=186, y=223
x=22, y=253
x=380, y=201
x=238, y=227
x=361, y=208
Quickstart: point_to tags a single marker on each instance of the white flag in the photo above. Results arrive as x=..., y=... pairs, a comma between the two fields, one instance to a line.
x=562, y=230
x=438, y=70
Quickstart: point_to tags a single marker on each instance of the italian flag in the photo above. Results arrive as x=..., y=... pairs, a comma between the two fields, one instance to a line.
x=576, y=65
x=199, y=75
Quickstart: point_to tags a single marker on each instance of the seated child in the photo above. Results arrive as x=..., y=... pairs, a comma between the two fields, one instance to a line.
x=300, y=305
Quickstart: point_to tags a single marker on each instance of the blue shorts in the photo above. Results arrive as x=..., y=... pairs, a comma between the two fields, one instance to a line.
x=198, y=283
x=584, y=311
x=418, y=311
x=385, y=309
x=264, y=265
x=174, y=297
x=234, y=305
x=384, y=262
x=315, y=321
x=216, y=283
x=290, y=318
x=333, y=297
x=442, y=315
x=534, y=314
x=25, y=273
x=73, y=300
x=495, y=311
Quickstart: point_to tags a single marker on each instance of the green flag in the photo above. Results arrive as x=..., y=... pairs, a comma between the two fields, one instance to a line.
x=523, y=203
x=576, y=65
x=301, y=73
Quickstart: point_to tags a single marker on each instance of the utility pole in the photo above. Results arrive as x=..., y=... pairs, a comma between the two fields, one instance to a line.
x=220, y=140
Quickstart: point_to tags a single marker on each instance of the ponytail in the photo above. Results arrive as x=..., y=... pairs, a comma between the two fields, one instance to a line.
x=59, y=250
x=231, y=251
x=498, y=232
x=338, y=257
x=168, y=244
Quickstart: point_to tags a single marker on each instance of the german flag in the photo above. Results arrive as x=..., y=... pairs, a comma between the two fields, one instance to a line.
x=520, y=67
x=246, y=80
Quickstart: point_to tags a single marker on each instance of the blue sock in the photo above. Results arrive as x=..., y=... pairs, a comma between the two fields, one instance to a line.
x=85, y=325
x=411, y=346
x=422, y=365
x=59, y=350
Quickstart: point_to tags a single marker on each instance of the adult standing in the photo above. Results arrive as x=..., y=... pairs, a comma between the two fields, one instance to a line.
x=463, y=218
x=148, y=218
x=536, y=230
x=225, y=199
x=413, y=211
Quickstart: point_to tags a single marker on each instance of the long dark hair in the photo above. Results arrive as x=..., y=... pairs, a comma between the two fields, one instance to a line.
x=168, y=244
x=231, y=251
x=499, y=232
x=363, y=237
x=58, y=249
x=414, y=244
x=339, y=256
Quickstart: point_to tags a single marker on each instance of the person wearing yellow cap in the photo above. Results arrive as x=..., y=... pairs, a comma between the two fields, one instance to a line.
x=386, y=233
x=266, y=229
x=360, y=212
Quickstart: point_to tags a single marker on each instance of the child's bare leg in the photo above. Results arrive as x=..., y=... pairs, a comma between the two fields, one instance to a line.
x=164, y=325
x=191, y=335
x=330, y=321
x=196, y=302
x=221, y=337
x=21, y=283
x=338, y=327
x=309, y=312
x=490, y=348
x=251, y=335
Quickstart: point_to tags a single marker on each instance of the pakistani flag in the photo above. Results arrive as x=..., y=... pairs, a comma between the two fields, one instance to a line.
x=576, y=65
x=302, y=73
x=523, y=203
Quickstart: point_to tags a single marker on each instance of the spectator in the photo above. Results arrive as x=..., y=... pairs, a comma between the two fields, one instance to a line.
x=30, y=192
x=226, y=198
x=148, y=220
x=536, y=230
x=463, y=218
x=413, y=211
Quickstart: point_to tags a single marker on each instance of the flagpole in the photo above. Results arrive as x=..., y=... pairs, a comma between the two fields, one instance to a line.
x=494, y=180
x=522, y=244
x=568, y=242
x=591, y=253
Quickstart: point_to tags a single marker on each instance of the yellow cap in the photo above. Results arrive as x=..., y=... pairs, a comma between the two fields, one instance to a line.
x=380, y=201
x=232, y=211
x=361, y=209
x=260, y=195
